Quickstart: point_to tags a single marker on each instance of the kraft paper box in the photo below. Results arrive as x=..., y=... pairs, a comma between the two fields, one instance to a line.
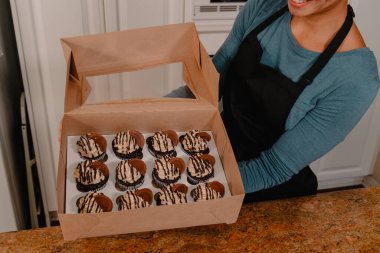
x=129, y=51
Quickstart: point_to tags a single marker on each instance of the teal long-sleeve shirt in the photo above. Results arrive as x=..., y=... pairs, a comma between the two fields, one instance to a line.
x=326, y=111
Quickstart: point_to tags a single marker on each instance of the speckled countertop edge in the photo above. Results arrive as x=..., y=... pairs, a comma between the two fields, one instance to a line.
x=344, y=221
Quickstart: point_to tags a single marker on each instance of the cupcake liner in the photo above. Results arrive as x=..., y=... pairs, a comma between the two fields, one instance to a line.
x=195, y=181
x=157, y=198
x=156, y=182
x=102, y=158
x=92, y=187
x=135, y=154
x=123, y=186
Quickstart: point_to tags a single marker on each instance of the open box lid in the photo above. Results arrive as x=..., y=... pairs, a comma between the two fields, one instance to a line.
x=138, y=49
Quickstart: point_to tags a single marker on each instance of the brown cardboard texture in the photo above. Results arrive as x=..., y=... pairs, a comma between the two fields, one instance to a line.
x=129, y=51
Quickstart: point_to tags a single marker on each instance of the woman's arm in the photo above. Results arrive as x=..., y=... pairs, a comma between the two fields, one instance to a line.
x=333, y=117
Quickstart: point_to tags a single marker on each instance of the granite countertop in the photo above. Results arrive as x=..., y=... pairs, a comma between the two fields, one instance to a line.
x=344, y=221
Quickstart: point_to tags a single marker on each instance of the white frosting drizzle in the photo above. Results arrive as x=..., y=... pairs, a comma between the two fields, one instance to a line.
x=169, y=197
x=130, y=201
x=125, y=143
x=204, y=192
x=88, y=204
x=193, y=142
x=125, y=172
x=198, y=167
x=86, y=175
x=87, y=147
x=161, y=142
x=165, y=169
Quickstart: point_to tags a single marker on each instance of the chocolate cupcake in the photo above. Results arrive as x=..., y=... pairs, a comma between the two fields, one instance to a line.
x=200, y=169
x=130, y=174
x=167, y=171
x=128, y=145
x=135, y=199
x=171, y=195
x=163, y=143
x=92, y=146
x=195, y=142
x=94, y=202
x=91, y=175
x=207, y=191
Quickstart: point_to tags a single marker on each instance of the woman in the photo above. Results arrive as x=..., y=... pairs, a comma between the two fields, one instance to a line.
x=296, y=77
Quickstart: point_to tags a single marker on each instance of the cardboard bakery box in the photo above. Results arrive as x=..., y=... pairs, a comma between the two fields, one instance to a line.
x=129, y=51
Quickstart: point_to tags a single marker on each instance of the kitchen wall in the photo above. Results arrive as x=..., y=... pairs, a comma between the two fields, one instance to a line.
x=366, y=22
x=13, y=198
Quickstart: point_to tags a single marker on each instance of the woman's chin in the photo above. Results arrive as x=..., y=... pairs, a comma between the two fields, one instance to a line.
x=301, y=8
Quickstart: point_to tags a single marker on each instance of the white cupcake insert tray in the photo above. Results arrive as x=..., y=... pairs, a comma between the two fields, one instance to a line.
x=73, y=158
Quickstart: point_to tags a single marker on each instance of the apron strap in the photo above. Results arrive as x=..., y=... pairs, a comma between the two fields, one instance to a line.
x=324, y=57
x=269, y=21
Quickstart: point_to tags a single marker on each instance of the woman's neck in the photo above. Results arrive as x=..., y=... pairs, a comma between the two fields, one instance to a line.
x=314, y=32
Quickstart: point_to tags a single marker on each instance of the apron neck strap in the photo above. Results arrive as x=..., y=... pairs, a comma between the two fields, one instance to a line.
x=269, y=20
x=324, y=57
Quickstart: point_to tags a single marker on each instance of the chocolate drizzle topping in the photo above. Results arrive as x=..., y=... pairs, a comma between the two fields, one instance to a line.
x=168, y=197
x=124, y=143
x=86, y=175
x=87, y=147
x=130, y=201
x=166, y=170
x=204, y=192
x=198, y=167
x=193, y=142
x=161, y=142
x=127, y=173
x=88, y=204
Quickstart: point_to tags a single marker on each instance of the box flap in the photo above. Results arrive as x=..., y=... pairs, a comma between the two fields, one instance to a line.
x=137, y=49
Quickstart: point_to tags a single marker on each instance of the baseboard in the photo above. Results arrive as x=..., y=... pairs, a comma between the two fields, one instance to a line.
x=338, y=183
x=370, y=181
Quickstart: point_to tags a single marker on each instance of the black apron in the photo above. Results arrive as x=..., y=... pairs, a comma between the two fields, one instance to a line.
x=257, y=100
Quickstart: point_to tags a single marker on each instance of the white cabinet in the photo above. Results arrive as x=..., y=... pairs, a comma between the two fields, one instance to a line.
x=354, y=158
x=40, y=24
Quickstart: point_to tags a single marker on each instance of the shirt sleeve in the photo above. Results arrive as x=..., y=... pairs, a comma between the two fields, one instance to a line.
x=322, y=128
